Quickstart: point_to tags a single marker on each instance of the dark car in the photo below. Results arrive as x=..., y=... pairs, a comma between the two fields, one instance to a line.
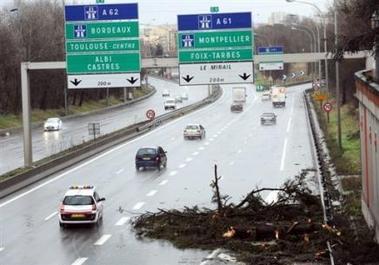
x=151, y=157
x=268, y=118
x=236, y=107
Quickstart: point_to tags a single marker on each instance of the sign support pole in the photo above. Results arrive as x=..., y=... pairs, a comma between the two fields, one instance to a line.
x=65, y=101
x=26, y=115
x=125, y=98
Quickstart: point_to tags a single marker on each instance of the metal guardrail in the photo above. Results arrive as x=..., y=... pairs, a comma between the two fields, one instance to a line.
x=44, y=168
x=324, y=169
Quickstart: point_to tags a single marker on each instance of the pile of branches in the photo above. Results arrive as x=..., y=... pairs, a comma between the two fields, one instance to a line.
x=291, y=229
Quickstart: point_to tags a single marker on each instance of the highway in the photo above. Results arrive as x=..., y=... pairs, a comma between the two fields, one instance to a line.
x=75, y=130
x=247, y=154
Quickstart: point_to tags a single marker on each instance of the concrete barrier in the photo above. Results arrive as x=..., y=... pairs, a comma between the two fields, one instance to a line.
x=67, y=158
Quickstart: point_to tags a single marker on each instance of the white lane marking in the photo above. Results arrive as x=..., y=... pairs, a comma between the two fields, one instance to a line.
x=173, y=139
x=151, y=193
x=272, y=197
x=239, y=151
x=1, y=249
x=138, y=205
x=215, y=136
x=102, y=239
x=119, y=171
x=283, y=155
x=122, y=221
x=231, y=163
x=181, y=165
x=195, y=153
x=201, y=148
x=211, y=139
x=188, y=159
x=220, y=131
x=173, y=173
x=51, y=216
x=289, y=124
x=79, y=261
x=206, y=143
x=163, y=182
x=211, y=106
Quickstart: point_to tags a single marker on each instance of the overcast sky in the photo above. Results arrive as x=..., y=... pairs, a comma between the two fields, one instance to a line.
x=165, y=11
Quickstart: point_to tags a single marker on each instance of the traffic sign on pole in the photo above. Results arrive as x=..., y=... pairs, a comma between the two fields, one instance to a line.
x=150, y=114
x=215, y=48
x=327, y=107
x=102, y=45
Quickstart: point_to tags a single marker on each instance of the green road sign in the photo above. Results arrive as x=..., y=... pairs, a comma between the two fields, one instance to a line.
x=101, y=30
x=103, y=63
x=101, y=46
x=216, y=39
x=219, y=55
x=102, y=39
x=214, y=9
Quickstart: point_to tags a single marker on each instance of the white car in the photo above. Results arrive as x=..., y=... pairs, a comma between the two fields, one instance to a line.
x=178, y=99
x=165, y=93
x=266, y=96
x=52, y=124
x=81, y=205
x=184, y=96
x=170, y=103
x=193, y=131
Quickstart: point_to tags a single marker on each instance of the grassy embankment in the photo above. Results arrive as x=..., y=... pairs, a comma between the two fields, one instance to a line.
x=347, y=160
x=12, y=120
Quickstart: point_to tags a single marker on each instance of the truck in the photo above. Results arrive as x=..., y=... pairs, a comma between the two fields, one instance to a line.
x=239, y=94
x=278, y=96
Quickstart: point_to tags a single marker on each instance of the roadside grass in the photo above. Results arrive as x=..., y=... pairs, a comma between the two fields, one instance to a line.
x=347, y=161
x=12, y=120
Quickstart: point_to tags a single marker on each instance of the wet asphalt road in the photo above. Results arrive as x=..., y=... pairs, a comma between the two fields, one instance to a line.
x=246, y=153
x=75, y=131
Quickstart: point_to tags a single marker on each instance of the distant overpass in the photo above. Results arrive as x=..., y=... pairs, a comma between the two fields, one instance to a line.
x=287, y=58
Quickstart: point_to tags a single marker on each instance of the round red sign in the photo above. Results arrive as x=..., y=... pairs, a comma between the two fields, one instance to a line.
x=327, y=107
x=150, y=114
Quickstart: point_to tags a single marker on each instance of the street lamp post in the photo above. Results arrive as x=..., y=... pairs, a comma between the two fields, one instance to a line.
x=338, y=90
x=375, y=26
x=310, y=35
x=325, y=37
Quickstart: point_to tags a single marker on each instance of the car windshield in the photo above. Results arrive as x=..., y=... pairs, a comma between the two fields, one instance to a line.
x=268, y=114
x=147, y=151
x=78, y=200
x=52, y=120
x=170, y=101
x=192, y=127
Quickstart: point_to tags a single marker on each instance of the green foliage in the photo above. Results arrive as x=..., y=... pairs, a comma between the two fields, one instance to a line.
x=347, y=160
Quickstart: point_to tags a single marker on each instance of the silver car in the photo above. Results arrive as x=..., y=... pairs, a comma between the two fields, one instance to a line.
x=193, y=131
x=268, y=118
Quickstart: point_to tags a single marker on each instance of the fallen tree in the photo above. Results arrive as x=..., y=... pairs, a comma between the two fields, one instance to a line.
x=291, y=229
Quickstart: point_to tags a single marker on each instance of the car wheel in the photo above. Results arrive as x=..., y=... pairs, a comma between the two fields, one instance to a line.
x=62, y=225
x=159, y=166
